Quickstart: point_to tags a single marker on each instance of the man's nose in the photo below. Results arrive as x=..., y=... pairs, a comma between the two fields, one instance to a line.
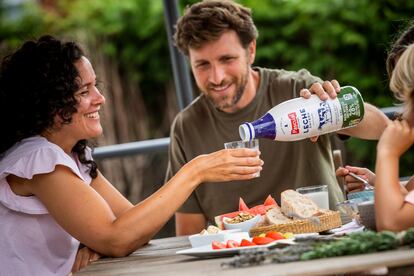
x=217, y=75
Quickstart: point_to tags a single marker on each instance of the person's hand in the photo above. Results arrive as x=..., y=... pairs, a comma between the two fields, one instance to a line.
x=83, y=258
x=323, y=91
x=227, y=165
x=396, y=139
x=352, y=184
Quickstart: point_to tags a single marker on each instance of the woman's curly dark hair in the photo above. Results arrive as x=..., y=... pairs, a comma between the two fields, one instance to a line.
x=38, y=82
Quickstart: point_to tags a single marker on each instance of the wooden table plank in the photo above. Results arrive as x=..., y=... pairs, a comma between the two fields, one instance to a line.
x=159, y=258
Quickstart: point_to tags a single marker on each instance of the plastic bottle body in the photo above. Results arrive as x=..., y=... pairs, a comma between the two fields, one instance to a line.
x=301, y=118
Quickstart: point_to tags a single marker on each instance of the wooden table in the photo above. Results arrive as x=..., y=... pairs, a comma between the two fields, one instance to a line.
x=159, y=258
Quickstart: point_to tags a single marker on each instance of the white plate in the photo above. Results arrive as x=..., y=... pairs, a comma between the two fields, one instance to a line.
x=206, y=239
x=207, y=251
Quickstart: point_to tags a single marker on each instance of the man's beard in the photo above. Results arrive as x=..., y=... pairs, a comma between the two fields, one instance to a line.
x=222, y=102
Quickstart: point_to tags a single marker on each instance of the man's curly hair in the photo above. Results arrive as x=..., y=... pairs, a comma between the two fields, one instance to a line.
x=38, y=82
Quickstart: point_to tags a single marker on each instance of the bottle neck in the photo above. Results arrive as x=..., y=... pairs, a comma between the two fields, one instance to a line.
x=265, y=127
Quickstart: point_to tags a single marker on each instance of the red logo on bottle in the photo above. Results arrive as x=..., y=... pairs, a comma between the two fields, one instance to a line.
x=294, y=123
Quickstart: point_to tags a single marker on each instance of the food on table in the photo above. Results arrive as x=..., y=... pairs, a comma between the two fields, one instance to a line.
x=256, y=210
x=298, y=214
x=232, y=244
x=217, y=245
x=242, y=205
x=275, y=216
x=243, y=222
x=297, y=205
x=269, y=201
x=210, y=230
x=288, y=235
x=245, y=242
x=241, y=217
x=275, y=235
x=264, y=239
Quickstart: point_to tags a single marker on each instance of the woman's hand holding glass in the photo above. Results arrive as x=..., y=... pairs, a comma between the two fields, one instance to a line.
x=226, y=165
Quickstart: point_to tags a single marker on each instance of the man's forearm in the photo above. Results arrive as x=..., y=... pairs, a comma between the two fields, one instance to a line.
x=371, y=126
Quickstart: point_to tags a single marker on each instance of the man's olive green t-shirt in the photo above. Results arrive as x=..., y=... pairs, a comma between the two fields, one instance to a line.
x=201, y=128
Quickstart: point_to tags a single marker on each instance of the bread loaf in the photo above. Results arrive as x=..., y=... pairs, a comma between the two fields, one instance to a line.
x=296, y=205
x=275, y=216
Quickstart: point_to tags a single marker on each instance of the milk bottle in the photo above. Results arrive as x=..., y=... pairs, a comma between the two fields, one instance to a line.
x=302, y=118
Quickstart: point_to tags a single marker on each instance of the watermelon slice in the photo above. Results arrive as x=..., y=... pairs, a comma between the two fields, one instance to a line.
x=260, y=209
x=242, y=205
x=269, y=201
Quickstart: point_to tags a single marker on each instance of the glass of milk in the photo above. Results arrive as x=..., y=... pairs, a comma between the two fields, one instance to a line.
x=253, y=144
x=318, y=194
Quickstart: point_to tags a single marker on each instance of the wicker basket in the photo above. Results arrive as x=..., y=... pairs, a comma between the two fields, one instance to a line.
x=328, y=220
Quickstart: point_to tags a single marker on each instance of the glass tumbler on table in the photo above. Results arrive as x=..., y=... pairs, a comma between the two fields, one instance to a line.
x=318, y=194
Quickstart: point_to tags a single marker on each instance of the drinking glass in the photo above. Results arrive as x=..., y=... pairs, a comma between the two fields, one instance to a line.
x=318, y=194
x=251, y=144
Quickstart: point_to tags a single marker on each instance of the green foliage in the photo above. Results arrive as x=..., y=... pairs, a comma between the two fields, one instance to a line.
x=408, y=237
x=131, y=31
x=316, y=247
x=14, y=29
x=353, y=244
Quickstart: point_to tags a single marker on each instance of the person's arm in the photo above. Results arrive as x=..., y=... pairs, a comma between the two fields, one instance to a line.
x=391, y=210
x=371, y=126
x=188, y=224
x=354, y=185
x=84, y=257
x=409, y=185
x=89, y=218
x=118, y=203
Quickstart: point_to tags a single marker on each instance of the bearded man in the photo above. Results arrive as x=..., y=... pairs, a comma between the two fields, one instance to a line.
x=219, y=39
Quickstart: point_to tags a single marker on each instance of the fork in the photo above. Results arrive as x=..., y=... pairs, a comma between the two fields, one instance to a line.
x=366, y=183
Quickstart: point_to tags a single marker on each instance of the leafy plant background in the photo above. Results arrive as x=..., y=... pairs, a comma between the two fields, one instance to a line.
x=126, y=40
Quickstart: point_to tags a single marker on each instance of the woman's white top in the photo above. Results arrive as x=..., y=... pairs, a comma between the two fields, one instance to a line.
x=31, y=241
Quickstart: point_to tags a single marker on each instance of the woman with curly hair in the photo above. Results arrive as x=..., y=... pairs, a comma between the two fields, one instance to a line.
x=52, y=196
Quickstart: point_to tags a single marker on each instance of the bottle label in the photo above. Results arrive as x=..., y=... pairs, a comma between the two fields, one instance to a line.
x=294, y=124
x=352, y=106
x=301, y=118
x=324, y=114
